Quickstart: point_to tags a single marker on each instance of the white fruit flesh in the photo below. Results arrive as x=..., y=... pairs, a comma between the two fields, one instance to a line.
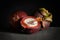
x=31, y=22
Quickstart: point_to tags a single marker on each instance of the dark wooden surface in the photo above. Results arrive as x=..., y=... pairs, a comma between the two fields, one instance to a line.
x=53, y=33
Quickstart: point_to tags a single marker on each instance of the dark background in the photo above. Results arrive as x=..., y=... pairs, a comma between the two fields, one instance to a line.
x=8, y=7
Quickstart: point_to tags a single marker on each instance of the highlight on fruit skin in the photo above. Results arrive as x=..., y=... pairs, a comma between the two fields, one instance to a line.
x=16, y=16
x=22, y=14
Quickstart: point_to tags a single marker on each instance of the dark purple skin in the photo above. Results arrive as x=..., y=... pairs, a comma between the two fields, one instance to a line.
x=47, y=24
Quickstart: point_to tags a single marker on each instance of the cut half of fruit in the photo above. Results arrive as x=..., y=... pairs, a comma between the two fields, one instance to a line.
x=30, y=23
